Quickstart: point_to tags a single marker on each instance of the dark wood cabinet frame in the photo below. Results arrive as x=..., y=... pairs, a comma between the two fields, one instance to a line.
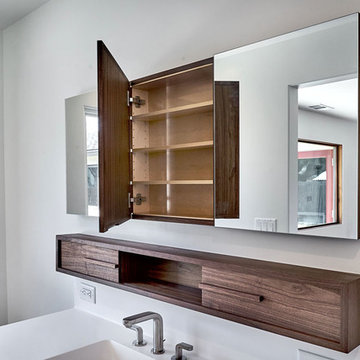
x=308, y=304
x=115, y=142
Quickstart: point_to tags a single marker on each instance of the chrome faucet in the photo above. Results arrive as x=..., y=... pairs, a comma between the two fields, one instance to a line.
x=178, y=351
x=158, y=336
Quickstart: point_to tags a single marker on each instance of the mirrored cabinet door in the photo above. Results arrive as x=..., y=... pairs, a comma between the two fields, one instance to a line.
x=298, y=126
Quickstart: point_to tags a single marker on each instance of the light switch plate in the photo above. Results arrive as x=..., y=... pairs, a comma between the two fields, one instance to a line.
x=87, y=292
x=266, y=224
x=305, y=355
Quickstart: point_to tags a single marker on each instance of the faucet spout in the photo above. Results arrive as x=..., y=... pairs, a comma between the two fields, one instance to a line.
x=158, y=332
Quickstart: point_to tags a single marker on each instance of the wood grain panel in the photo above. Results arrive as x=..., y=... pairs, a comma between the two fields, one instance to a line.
x=90, y=260
x=306, y=307
x=72, y=257
x=175, y=272
x=169, y=290
x=239, y=295
x=279, y=311
x=147, y=81
x=114, y=141
x=175, y=219
x=191, y=200
x=139, y=268
x=226, y=149
x=313, y=305
x=100, y=253
x=191, y=164
x=197, y=126
x=102, y=272
x=297, y=294
x=155, y=100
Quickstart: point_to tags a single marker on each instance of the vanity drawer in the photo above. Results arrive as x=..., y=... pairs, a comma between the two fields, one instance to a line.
x=303, y=307
x=90, y=260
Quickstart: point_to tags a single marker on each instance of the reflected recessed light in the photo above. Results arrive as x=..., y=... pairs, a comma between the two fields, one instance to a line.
x=321, y=107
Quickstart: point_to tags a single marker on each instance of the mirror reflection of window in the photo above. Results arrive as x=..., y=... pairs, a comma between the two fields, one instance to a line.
x=92, y=161
x=317, y=184
x=327, y=114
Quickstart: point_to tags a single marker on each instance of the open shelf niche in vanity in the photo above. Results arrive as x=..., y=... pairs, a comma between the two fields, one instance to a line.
x=172, y=144
x=308, y=304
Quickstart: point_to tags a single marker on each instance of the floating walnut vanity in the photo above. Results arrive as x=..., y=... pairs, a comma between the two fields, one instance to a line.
x=313, y=305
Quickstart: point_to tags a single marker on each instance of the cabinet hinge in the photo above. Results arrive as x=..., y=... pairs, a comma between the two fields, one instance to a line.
x=138, y=199
x=137, y=101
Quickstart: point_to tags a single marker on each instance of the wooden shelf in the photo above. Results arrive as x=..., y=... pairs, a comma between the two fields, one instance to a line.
x=174, y=182
x=192, y=145
x=190, y=74
x=170, y=290
x=176, y=111
x=175, y=216
x=172, y=147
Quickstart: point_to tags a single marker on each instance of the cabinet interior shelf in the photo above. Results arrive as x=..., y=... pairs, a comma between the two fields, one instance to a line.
x=192, y=145
x=172, y=144
x=167, y=289
x=175, y=111
x=175, y=182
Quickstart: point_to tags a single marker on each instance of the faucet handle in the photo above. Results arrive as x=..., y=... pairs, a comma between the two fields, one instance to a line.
x=178, y=351
x=140, y=336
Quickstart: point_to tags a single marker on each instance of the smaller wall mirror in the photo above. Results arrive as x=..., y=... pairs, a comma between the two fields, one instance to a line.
x=82, y=176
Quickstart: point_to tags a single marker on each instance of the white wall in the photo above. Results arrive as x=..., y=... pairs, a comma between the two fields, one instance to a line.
x=3, y=295
x=51, y=55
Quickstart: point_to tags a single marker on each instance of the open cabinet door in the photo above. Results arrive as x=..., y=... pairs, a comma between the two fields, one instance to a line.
x=114, y=148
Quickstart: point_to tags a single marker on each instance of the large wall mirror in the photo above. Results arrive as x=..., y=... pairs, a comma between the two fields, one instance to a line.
x=298, y=130
x=82, y=155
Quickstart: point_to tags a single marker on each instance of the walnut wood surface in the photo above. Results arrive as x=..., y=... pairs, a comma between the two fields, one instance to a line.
x=89, y=260
x=313, y=305
x=170, y=290
x=239, y=295
x=231, y=263
x=175, y=70
x=140, y=268
x=226, y=149
x=305, y=307
x=176, y=219
x=101, y=263
x=114, y=141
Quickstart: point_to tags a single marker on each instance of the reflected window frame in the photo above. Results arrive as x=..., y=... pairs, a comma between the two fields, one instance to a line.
x=334, y=172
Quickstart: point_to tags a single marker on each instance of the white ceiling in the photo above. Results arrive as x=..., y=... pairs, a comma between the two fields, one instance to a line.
x=341, y=96
x=13, y=10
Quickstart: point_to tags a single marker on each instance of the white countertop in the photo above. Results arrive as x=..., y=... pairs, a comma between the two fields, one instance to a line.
x=50, y=335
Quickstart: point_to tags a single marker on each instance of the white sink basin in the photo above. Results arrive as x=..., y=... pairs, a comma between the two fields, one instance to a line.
x=103, y=350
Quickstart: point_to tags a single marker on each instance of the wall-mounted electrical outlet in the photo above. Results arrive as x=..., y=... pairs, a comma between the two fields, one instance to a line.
x=266, y=224
x=305, y=355
x=88, y=293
